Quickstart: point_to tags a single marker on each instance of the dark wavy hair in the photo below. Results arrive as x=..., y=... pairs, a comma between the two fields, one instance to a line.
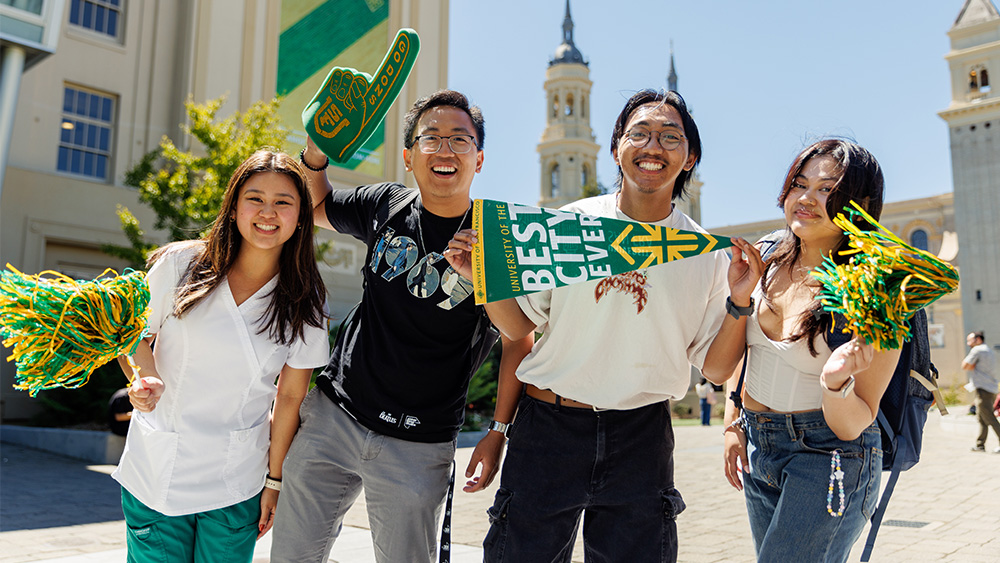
x=298, y=298
x=448, y=98
x=670, y=98
x=861, y=181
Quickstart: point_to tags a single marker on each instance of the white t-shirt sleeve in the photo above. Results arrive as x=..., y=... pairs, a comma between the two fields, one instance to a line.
x=313, y=349
x=162, y=278
x=536, y=306
x=715, y=312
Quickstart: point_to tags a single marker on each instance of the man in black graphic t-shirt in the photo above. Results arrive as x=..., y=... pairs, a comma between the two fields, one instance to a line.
x=392, y=399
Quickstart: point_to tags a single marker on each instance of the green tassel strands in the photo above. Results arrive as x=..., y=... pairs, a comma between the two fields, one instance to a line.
x=884, y=284
x=61, y=329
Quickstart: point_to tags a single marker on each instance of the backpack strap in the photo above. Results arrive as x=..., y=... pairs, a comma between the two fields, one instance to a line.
x=737, y=395
x=931, y=385
x=899, y=441
x=391, y=205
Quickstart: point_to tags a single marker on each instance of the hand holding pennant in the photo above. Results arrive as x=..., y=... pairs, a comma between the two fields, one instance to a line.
x=522, y=249
x=351, y=104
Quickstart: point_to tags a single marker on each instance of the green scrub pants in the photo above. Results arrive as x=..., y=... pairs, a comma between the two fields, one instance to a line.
x=223, y=535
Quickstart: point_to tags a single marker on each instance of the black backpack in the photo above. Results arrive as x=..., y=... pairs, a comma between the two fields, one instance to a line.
x=902, y=411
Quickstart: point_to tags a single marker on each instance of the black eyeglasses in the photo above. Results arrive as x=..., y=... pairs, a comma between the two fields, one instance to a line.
x=639, y=137
x=459, y=144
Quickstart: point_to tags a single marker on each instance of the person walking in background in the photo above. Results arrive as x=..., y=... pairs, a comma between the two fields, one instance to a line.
x=981, y=367
x=706, y=399
x=230, y=314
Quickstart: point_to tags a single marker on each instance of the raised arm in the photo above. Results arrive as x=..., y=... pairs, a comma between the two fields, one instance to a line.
x=506, y=314
x=745, y=269
x=319, y=185
x=849, y=415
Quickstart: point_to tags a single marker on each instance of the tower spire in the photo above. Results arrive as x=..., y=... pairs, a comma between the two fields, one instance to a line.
x=568, y=26
x=672, y=77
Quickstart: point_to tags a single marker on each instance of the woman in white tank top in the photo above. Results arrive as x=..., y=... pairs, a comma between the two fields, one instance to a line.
x=805, y=450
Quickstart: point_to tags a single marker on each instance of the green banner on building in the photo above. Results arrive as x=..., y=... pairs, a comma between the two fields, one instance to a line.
x=523, y=249
x=317, y=35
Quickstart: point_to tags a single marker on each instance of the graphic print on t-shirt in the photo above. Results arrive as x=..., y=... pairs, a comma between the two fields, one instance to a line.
x=423, y=278
x=630, y=283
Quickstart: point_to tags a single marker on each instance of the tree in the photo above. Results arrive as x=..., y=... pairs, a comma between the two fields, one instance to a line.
x=594, y=188
x=185, y=188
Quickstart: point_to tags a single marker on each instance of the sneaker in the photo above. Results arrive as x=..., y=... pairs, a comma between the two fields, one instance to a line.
x=979, y=448
x=996, y=450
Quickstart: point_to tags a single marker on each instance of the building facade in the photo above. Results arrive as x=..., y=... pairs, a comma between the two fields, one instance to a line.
x=973, y=118
x=117, y=83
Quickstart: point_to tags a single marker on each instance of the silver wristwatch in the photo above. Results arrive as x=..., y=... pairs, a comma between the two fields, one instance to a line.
x=500, y=427
x=844, y=389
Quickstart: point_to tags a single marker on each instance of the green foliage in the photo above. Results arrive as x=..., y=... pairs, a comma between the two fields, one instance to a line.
x=185, y=188
x=682, y=410
x=594, y=188
x=85, y=405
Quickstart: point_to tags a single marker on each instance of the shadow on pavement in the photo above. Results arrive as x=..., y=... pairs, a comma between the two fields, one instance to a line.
x=44, y=490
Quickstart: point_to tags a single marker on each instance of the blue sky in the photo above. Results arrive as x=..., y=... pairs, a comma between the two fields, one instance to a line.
x=764, y=79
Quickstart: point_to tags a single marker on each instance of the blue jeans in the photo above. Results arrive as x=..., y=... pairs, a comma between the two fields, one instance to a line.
x=615, y=468
x=706, y=412
x=786, y=489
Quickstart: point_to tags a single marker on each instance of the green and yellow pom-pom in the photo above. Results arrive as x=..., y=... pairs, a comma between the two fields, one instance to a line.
x=61, y=329
x=885, y=283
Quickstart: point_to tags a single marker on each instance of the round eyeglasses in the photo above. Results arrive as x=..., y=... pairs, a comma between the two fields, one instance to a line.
x=668, y=139
x=459, y=144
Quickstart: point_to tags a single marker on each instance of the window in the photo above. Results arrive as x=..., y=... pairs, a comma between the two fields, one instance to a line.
x=85, y=140
x=554, y=180
x=979, y=79
x=584, y=176
x=918, y=239
x=555, y=107
x=569, y=105
x=102, y=16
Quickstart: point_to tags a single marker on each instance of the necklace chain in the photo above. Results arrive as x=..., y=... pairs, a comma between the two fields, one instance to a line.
x=420, y=228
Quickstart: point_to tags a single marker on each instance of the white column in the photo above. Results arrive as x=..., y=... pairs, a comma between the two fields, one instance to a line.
x=10, y=82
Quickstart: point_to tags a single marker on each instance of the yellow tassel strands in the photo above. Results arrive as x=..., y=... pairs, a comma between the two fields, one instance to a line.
x=61, y=329
x=885, y=282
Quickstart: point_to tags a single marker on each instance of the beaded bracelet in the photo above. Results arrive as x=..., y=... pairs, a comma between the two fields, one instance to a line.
x=302, y=159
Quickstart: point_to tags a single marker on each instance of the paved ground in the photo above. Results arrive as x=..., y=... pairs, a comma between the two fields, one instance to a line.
x=945, y=509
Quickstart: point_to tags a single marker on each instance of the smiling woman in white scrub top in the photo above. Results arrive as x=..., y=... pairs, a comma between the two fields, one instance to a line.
x=231, y=313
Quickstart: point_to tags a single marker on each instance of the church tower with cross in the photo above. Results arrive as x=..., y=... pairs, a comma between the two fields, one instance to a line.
x=973, y=118
x=567, y=150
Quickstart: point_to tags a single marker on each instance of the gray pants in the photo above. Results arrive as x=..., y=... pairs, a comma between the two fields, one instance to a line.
x=331, y=458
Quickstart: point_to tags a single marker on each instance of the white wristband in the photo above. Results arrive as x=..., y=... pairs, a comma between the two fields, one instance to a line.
x=271, y=483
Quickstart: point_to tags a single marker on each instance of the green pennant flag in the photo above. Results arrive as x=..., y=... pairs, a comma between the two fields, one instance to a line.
x=523, y=249
x=350, y=105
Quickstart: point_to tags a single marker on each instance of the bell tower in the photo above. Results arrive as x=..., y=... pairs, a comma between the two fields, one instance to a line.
x=567, y=150
x=973, y=119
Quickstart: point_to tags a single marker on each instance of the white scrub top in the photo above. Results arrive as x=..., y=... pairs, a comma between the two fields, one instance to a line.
x=205, y=445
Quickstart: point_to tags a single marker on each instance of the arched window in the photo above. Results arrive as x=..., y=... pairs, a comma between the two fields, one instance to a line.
x=554, y=180
x=979, y=79
x=555, y=106
x=584, y=176
x=583, y=107
x=918, y=239
x=569, y=105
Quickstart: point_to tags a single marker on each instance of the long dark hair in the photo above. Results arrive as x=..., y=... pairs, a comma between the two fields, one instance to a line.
x=670, y=98
x=298, y=298
x=860, y=181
